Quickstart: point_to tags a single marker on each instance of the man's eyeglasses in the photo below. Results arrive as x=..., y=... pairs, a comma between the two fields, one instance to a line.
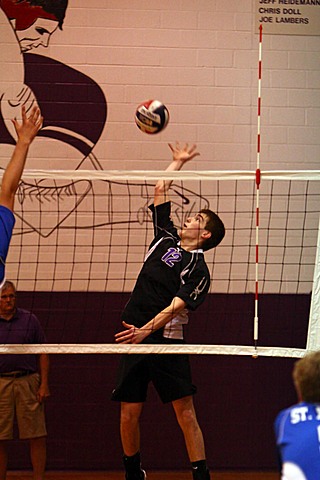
x=6, y=297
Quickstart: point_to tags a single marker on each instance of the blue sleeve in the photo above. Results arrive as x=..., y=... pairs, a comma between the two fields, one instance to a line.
x=7, y=221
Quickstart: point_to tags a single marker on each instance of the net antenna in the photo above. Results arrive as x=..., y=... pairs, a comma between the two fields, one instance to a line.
x=258, y=180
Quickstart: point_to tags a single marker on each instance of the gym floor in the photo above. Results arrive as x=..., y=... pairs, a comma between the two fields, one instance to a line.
x=152, y=475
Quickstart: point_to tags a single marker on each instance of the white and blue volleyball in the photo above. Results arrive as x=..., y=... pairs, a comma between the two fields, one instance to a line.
x=152, y=116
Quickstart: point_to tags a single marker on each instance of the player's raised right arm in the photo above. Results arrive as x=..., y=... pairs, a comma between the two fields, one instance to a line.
x=26, y=132
x=180, y=156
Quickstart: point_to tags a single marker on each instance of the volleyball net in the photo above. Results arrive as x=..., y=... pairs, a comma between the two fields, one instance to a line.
x=81, y=236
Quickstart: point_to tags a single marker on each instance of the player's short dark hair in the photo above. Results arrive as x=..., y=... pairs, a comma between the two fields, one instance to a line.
x=306, y=377
x=216, y=227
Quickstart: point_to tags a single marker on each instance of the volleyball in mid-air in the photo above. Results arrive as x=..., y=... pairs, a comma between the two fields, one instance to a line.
x=152, y=116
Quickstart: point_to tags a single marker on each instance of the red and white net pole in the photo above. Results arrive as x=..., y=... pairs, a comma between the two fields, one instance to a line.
x=258, y=179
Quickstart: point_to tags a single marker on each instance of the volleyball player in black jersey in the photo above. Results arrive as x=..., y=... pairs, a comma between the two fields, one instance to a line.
x=174, y=279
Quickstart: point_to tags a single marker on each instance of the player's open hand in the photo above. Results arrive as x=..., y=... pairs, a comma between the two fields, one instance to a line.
x=30, y=125
x=131, y=334
x=183, y=154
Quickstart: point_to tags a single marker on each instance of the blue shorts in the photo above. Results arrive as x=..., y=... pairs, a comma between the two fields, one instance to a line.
x=7, y=222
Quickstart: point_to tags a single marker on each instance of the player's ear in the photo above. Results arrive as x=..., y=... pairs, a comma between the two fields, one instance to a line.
x=206, y=234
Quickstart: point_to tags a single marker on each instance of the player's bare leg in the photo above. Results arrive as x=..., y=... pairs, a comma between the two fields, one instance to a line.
x=130, y=438
x=187, y=419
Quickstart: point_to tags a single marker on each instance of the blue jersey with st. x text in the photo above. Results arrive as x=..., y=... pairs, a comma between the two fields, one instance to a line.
x=297, y=432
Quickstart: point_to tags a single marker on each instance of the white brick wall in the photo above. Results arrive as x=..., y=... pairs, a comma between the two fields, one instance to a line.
x=200, y=58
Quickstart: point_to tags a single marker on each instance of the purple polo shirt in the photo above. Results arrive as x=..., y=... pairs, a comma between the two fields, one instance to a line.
x=24, y=327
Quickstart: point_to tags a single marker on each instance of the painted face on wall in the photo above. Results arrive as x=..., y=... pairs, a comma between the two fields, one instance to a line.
x=38, y=34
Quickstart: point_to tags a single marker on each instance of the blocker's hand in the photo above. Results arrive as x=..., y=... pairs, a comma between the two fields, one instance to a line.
x=131, y=334
x=30, y=125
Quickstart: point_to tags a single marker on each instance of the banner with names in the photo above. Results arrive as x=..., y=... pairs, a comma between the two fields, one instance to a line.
x=288, y=17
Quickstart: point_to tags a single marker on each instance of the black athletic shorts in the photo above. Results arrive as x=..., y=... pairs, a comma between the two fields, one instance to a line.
x=169, y=373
